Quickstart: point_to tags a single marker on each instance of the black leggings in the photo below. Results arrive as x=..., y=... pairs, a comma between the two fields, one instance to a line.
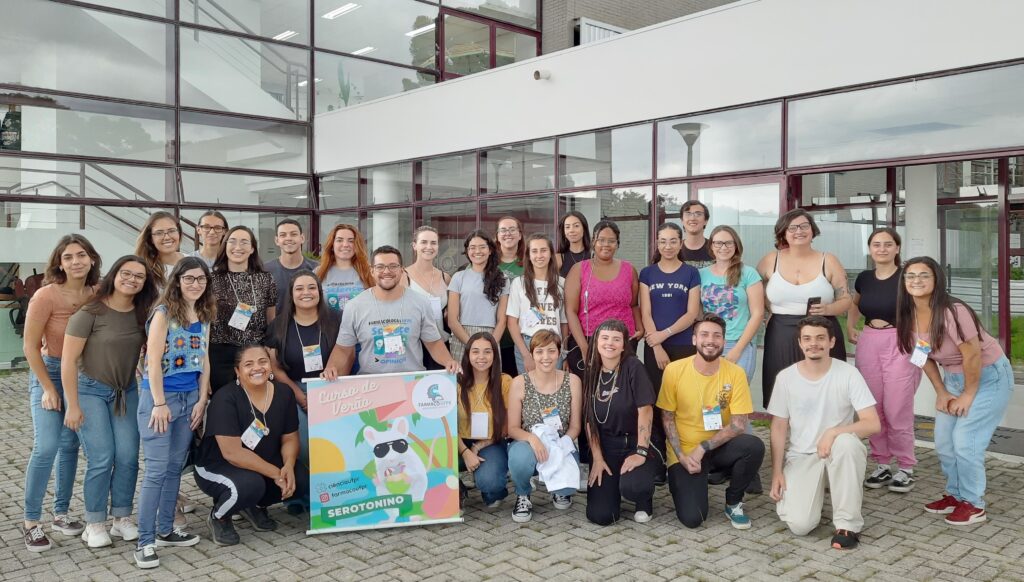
x=743, y=455
x=604, y=500
x=234, y=489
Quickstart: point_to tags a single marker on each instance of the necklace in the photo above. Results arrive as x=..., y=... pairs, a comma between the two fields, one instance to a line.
x=599, y=389
x=266, y=407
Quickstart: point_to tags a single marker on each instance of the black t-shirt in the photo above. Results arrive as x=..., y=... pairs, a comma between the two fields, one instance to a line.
x=229, y=414
x=634, y=391
x=878, y=297
x=699, y=258
x=291, y=357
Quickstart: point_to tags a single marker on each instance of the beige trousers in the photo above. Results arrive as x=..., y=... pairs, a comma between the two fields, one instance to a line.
x=805, y=475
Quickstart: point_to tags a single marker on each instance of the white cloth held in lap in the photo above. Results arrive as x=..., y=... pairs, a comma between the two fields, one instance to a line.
x=560, y=470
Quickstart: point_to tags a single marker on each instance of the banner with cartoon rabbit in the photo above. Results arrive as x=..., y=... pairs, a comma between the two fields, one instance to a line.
x=382, y=451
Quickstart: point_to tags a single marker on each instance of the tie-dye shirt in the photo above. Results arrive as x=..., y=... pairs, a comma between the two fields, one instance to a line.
x=728, y=302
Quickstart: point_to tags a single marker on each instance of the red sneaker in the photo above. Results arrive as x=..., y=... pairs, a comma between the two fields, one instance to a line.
x=966, y=514
x=947, y=504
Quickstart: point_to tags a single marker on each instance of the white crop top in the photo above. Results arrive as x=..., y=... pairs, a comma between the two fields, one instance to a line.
x=786, y=298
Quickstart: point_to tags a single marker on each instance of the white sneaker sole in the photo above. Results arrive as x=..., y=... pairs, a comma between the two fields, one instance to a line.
x=128, y=537
x=522, y=518
x=148, y=565
x=974, y=519
x=877, y=485
x=98, y=542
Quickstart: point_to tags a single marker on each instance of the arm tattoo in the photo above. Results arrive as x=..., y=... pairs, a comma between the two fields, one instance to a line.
x=643, y=437
x=737, y=426
x=671, y=434
x=841, y=292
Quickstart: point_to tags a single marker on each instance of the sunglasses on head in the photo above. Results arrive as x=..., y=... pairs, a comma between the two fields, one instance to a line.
x=400, y=446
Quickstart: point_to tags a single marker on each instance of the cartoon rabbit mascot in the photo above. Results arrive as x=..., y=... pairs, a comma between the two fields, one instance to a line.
x=399, y=468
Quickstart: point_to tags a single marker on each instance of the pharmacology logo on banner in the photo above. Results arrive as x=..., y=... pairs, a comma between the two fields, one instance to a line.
x=434, y=396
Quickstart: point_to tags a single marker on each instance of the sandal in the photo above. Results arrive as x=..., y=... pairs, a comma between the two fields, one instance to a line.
x=845, y=539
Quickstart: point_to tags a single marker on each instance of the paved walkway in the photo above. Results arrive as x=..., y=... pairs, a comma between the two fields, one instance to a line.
x=901, y=542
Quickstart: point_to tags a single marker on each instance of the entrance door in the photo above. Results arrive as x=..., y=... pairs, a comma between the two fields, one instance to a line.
x=970, y=256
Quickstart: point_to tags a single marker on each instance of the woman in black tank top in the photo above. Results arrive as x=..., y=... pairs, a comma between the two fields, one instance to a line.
x=573, y=241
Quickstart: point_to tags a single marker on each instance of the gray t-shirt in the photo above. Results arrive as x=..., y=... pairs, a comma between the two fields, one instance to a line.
x=198, y=253
x=341, y=286
x=474, y=307
x=283, y=276
x=388, y=332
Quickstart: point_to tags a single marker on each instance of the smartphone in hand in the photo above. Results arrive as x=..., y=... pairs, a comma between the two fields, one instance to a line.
x=812, y=301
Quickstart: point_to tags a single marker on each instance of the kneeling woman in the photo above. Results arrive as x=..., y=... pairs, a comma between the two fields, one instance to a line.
x=544, y=395
x=619, y=409
x=247, y=457
x=483, y=408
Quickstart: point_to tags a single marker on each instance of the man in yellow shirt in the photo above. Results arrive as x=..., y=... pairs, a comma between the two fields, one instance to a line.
x=705, y=403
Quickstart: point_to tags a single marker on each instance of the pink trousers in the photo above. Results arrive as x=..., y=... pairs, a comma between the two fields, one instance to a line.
x=893, y=380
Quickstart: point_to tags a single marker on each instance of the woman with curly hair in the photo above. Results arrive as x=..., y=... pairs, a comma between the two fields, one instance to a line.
x=477, y=295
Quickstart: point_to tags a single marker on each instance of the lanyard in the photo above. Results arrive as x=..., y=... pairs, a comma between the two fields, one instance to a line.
x=252, y=287
x=302, y=342
x=266, y=404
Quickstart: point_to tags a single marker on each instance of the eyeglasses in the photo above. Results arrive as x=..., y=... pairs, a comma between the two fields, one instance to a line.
x=208, y=228
x=917, y=276
x=510, y=230
x=171, y=232
x=400, y=446
x=607, y=241
x=394, y=268
x=723, y=244
x=694, y=214
x=127, y=275
x=193, y=279
x=798, y=227
x=239, y=243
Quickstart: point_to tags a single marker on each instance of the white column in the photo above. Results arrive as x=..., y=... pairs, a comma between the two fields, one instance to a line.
x=922, y=217
x=386, y=188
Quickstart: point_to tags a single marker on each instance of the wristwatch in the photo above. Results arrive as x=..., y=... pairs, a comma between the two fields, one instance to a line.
x=642, y=451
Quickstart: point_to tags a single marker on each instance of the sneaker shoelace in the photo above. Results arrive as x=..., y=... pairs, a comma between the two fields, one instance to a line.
x=522, y=504
x=901, y=477
x=879, y=471
x=737, y=510
x=148, y=551
x=36, y=533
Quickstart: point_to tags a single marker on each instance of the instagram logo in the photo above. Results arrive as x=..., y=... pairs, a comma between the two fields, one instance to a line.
x=325, y=497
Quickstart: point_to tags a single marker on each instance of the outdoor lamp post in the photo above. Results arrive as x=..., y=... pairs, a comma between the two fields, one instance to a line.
x=690, y=132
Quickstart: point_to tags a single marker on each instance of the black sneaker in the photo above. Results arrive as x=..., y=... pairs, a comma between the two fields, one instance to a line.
x=177, y=538
x=259, y=518
x=222, y=531
x=879, y=478
x=36, y=540
x=902, y=482
x=717, y=477
x=755, y=487
x=845, y=539
x=146, y=558
x=523, y=511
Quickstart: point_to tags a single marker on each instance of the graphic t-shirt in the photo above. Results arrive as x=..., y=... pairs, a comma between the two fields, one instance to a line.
x=700, y=258
x=388, y=332
x=533, y=319
x=689, y=395
x=726, y=301
x=341, y=286
x=670, y=294
x=814, y=406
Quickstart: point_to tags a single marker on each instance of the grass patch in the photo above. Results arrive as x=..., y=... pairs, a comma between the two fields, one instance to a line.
x=761, y=423
x=1017, y=333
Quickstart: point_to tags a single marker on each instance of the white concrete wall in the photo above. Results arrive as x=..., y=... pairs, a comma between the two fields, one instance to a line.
x=739, y=53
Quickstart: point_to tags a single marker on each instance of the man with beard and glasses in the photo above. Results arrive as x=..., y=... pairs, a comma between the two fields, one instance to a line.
x=814, y=434
x=705, y=403
x=388, y=322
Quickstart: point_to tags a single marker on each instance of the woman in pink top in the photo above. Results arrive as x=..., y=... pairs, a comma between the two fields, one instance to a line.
x=936, y=329
x=599, y=289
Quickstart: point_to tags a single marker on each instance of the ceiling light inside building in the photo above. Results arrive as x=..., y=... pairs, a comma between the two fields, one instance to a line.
x=304, y=83
x=342, y=10
x=419, y=31
x=286, y=35
x=364, y=50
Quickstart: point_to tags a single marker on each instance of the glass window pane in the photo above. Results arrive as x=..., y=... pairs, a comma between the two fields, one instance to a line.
x=524, y=167
x=1017, y=178
x=59, y=179
x=965, y=112
x=401, y=31
x=161, y=8
x=521, y=12
x=967, y=179
x=970, y=253
x=286, y=20
x=857, y=187
x=751, y=209
x=217, y=140
x=605, y=157
x=670, y=200
x=231, y=189
x=66, y=125
x=449, y=177
x=512, y=47
x=66, y=48
x=537, y=213
x=389, y=184
x=629, y=208
x=343, y=81
x=467, y=46
x=390, y=227
x=340, y=190
x=727, y=141
x=232, y=74
x=327, y=222
x=263, y=223
x=453, y=222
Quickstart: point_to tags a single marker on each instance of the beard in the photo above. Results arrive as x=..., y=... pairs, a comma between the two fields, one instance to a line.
x=710, y=354
x=387, y=284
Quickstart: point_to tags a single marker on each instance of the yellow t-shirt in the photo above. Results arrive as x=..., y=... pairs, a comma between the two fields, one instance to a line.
x=480, y=402
x=686, y=392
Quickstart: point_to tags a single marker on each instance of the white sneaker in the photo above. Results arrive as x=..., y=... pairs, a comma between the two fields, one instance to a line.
x=641, y=517
x=124, y=528
x=96, y=536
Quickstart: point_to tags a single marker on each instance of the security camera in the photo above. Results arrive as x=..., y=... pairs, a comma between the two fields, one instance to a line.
x=541, y=74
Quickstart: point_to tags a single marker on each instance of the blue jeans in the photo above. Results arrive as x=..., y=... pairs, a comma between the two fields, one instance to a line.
x=165, y=455
x=519, y=356
x=492, y=475
x=748, y=358
x=111, y=446
x=52, y=441
x=960, y=441
x=522, y=464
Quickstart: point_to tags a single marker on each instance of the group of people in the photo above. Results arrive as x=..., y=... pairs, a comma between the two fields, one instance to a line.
x=166, y=346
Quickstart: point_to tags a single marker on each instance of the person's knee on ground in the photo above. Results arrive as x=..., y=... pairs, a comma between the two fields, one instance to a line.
x=803, y=527
x=602, y=516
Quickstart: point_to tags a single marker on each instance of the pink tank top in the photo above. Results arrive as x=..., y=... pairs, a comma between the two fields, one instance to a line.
x=602, y=300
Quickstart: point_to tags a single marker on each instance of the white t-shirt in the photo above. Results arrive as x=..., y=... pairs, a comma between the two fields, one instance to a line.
x=531, y=319
x=814, y=406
